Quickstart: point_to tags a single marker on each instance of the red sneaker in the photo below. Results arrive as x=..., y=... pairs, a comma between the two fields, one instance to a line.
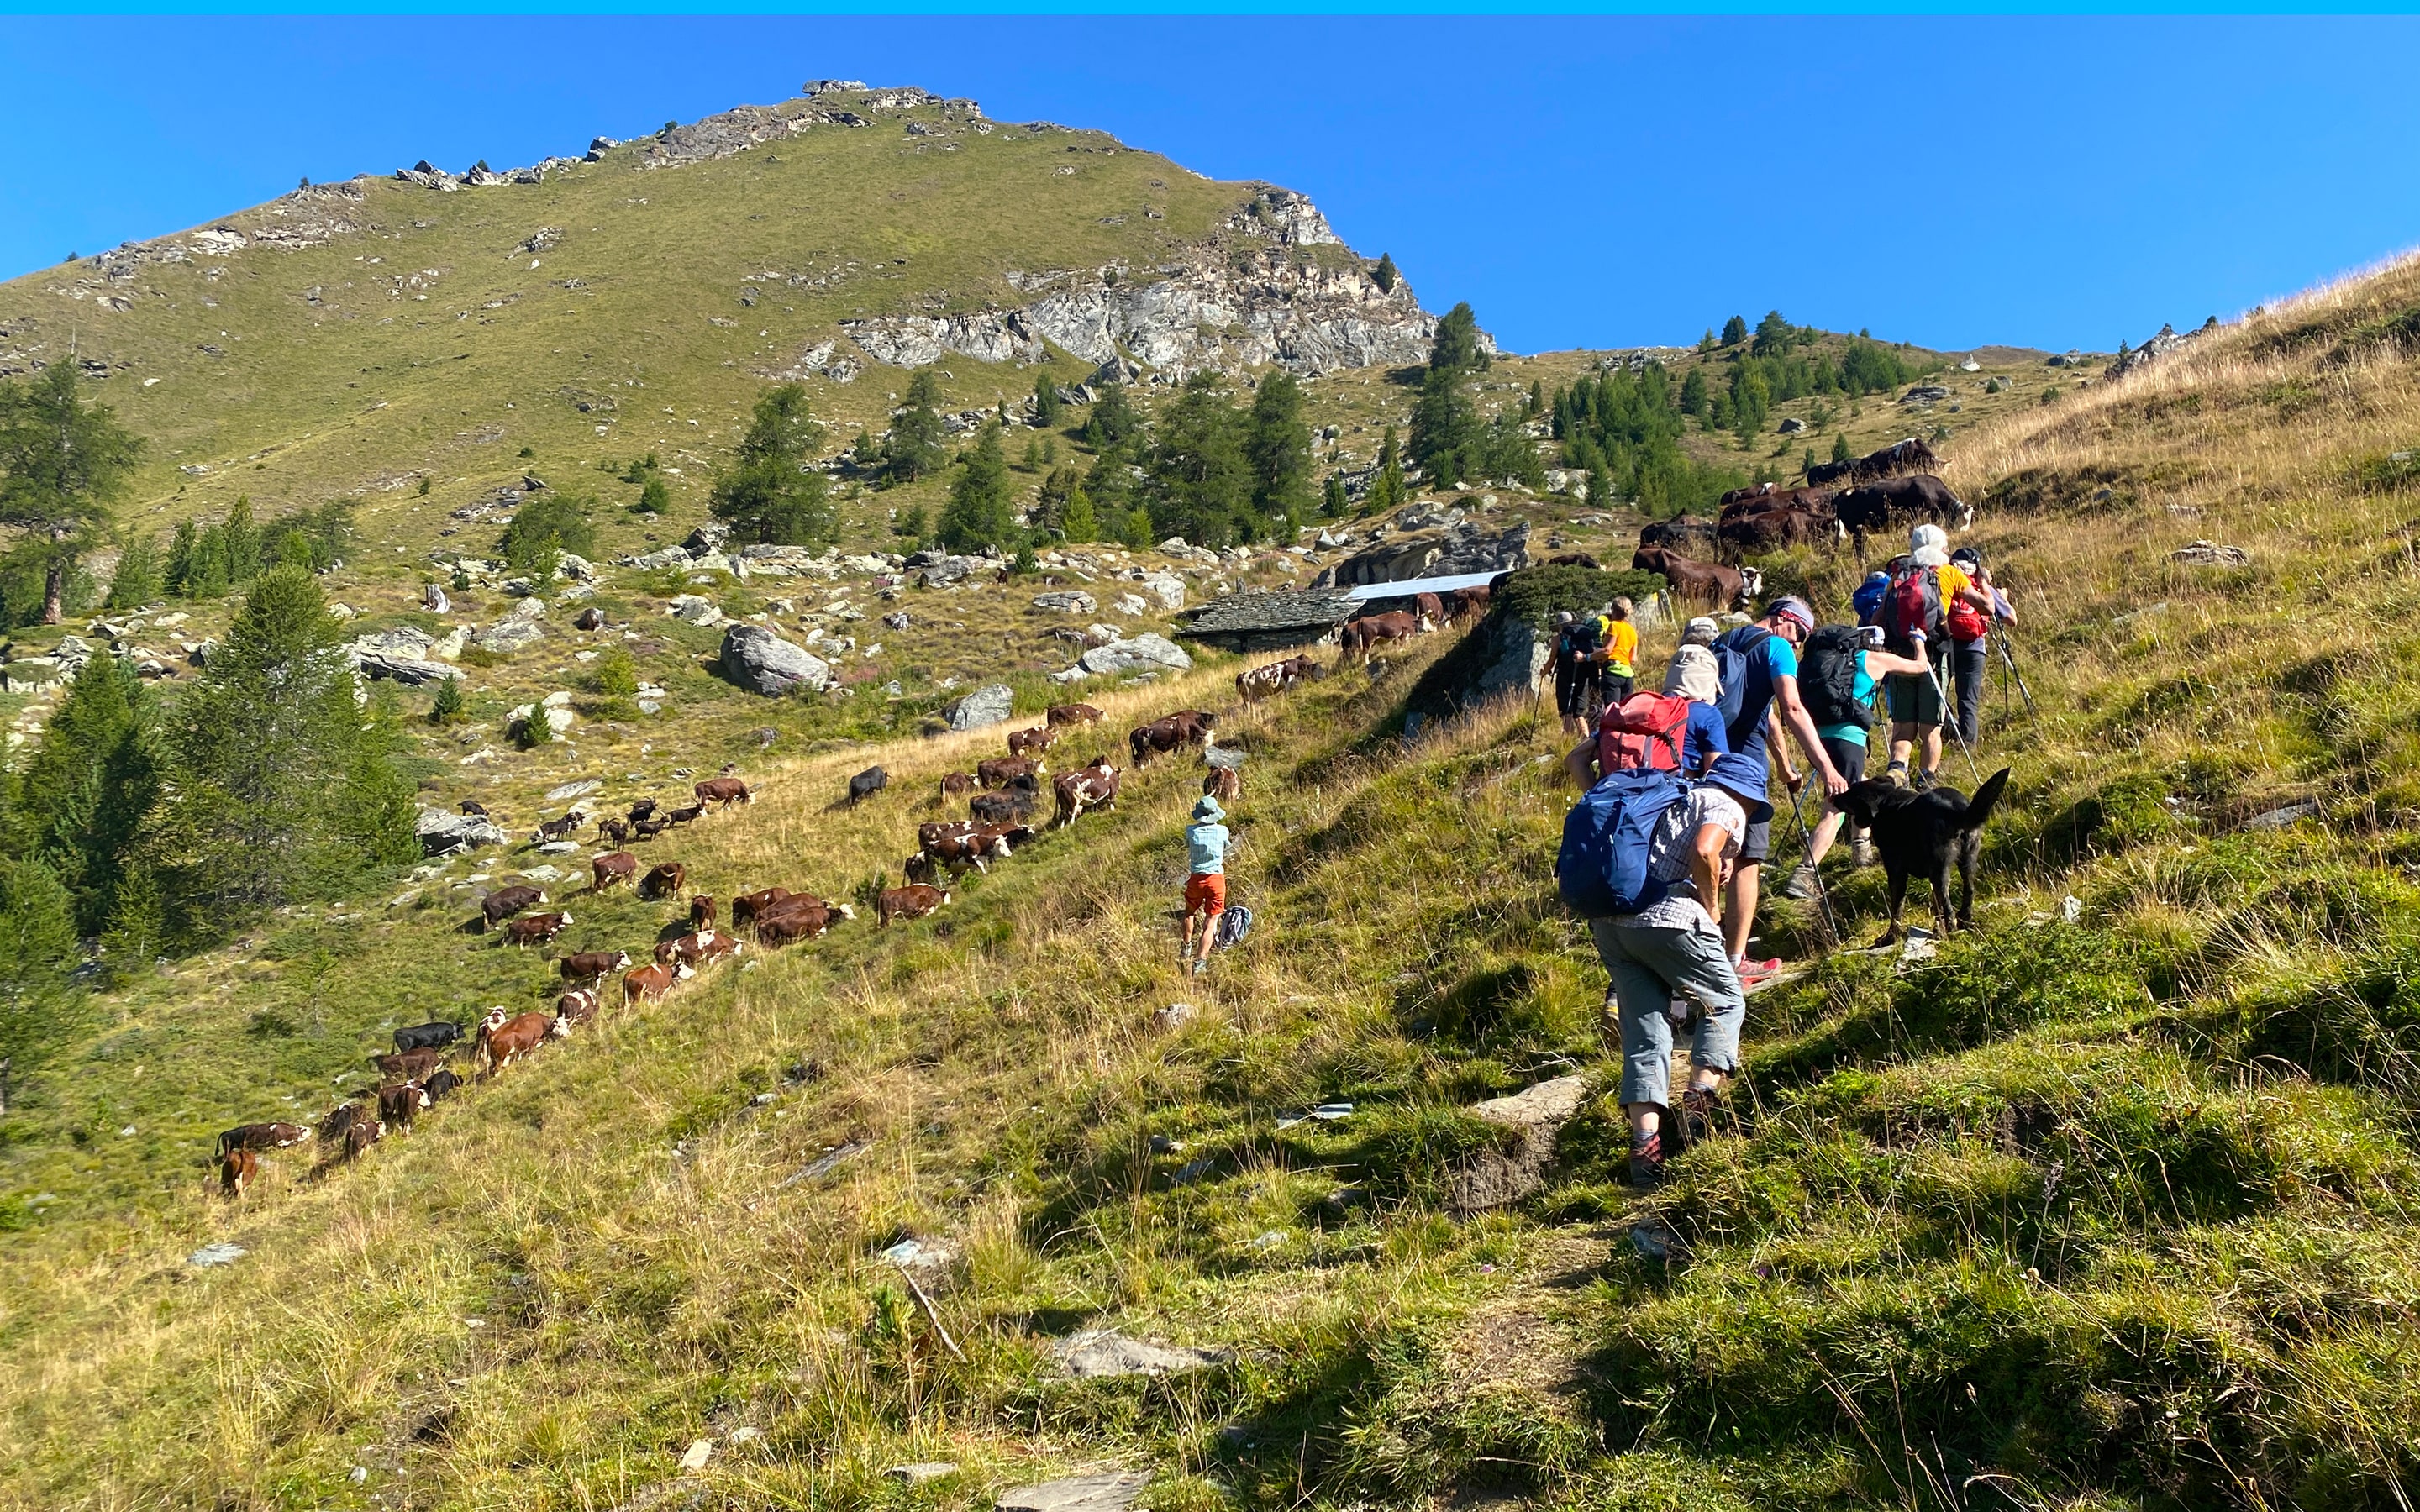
x=1756, y=973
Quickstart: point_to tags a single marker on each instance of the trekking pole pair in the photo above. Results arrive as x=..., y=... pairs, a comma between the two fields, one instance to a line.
x=1949, y=713
x=1807, y=854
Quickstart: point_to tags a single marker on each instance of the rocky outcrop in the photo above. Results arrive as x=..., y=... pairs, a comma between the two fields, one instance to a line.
x=1456, y=547
x=1143, y=653
x=441, y=833
x=736, y=130
x=987, y=705
x=763, y=662
x=2166, y=344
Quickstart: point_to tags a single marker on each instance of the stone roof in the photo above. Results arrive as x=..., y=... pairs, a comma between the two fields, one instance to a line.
x=1284, y=608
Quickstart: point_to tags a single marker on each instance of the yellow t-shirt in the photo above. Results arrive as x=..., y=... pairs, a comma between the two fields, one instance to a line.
x=1953, y=581
x=1621, y=646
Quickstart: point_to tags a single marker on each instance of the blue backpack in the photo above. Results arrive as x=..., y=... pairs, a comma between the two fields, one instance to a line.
x=1733, y=651
x=1601, y=871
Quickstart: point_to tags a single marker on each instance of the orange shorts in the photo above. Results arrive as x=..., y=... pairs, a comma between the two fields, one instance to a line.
x=1206, y=893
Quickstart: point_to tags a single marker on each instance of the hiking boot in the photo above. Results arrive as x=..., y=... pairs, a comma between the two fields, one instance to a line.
x=1802, y=884
x=1647, y=1162
x=1926, y=781
x=1861, y=851
x=1756, y=973
x=1696, y=1123
x=1896, y=775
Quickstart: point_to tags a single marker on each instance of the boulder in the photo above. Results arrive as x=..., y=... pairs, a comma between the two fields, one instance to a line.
x=763, y=662
x=1924, y=393
x=1141, y=652
x=412, y=672
x=1168, y=589
x=1100, y=1353
x=1071, y=601
x=707, y=539
x=1113, y=1491
x=1131, y=604
x=508, y=636
x=443, y=834
x=558, y=719
x=983, y=708
x=2210, y=554
x=694, y=609
x=1497, y=1176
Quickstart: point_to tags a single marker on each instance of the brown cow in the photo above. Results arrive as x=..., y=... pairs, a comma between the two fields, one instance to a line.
x=1429, y=607
x=1087, y=787
x=998, y=771
x=748, y=904
x=579, y=1005
x=409, y=1065
x=1031, y=742
x=913, y=902
x=1170, y=733
x=1774, y=521
x=1066, y=713
x=684, y=816
x=701, y=912
x=1465, y=604
x=700, y=946
x=605, y=871
x=505, y=903
x=263, y=1136
x=933, y=831
x=331, y=1128
x=1225, y=784
x=591, y=965
x=989, y=842
x=364, y=1132
x=1699, y=581
x=236, y=1167
x=957, y=784
x=799, y=917
x=1574, y=558
x=1370, y=630
x=648, y=984
x=663, y=881
x=503, y=1041
x=397, y=1104
x=537, y=929
x=725, y=791
x=1896, y=501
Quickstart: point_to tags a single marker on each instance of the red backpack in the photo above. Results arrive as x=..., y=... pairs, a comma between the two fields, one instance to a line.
x=1646, y=730
x=1912, y=605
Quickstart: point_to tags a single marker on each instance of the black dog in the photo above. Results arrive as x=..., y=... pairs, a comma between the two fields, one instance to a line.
x=1921, y=834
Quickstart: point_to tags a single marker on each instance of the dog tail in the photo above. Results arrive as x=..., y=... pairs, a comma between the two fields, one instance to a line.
x=1979, y=807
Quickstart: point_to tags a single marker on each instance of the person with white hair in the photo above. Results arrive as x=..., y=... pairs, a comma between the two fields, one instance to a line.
x=1923, y=585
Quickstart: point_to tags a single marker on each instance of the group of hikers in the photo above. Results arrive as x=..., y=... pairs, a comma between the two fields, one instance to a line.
x=1664, y=853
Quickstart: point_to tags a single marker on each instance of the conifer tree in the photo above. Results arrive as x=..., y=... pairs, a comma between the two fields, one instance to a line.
x=1734, y=331
x=38, y=952
x=62, y=463
x=914, y=449
x=1332, y=498
x=1278, y=443
x=1201, y=480
x=1046, y=403
x=1385, y=275
x=1076, y=520
x=1113, y=419
x=136, y=581
x=1840, y=451
x=84, y=796
x=979, y=513
x=771, y=495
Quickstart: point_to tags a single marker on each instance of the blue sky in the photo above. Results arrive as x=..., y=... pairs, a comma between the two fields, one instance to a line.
x=1582, y=181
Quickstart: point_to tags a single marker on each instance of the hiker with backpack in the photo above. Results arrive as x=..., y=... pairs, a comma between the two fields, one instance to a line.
x=1205, y=884
x=1617, y=647
x=1759, y=664
x=1643, y=858
x=1678, y=730
x=1969, y=647
x=1839, y=673
x=1923, y=585
x=1574, y=677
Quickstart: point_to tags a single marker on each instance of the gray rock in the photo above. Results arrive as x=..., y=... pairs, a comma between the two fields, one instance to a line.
x=1100, y=1353
x=763, y=662
x=694, y=609
x=1495, y=1178
x=2292, y=813
x=1168, y=590
x=1072, y=601
x=671, y=556
x=921, y=1472
x=1924, y=393
x=409, y=671
x=1131, y=604
x=443, y=834
x=2210, y=554
x=1114, y=1491
x=1136, y=653
x=896, y=620
x=508, y=636
x=226, y=1252
x=707, y=539
x=573, y=790
x=983, y=708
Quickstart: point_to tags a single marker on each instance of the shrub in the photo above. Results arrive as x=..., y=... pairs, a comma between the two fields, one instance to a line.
x=546, y=529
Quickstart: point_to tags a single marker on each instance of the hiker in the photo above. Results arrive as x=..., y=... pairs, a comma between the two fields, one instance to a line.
x=1838, y=672
x=1206, y=885
x=1969, y=648
x=1572, y=674
x=1867, y=599
x=1679, y=730
x=1922, y=586
x=1759, y=698
x=1673, y=949
x=1700, y=631
x=1617, y=647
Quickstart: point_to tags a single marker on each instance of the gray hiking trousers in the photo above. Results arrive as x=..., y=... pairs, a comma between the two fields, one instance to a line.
x=1651, y=966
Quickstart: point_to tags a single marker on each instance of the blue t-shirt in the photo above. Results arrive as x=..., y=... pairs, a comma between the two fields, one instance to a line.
x=1769, y=657
x=1705, y=740
x=1863, y=688
x=1205, y=847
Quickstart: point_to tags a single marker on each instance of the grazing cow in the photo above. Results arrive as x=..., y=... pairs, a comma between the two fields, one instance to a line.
x=442, y=1083
x=725, y=791
x=263, y=1136
x=648, y=828
x=341, y=1118
x=605, y=871
x=1753, y=491
x=1370, y=630
x=1060, y=714
x=956, y=785
x=699, y=947
x=503, y=1041
x=580, y=1004
x=236, y=1167
x=1688, y=535
x=690, y=815
x=1429, y=607
x=1087, y=787
x=1170, y=734
x=998, y=771
x=397, y=1104
x=1224, y=783
x=1774, y=521
x=361, y=1136
x=1894, y=502
x=749, y=904
x=537, y=929
x=591, y=965
x=1696, y=581
x=991, y=842
x=613, y=831
x=431, y=1036
x=701, y=912
x=1899, y=458
x=1031, y=742
x=932, y=832
x=1009, y=805
x=663, y=881
x=1465, y=604
x=799, y=917
x=563, y=828
x=505, y=903
x=475, y=806
x=913, y=902
x=648, y=984
x=1276, y=677
x=866, y=784
x=643, y=809
x=921, y=868
x=1574, y=558
x=591, y=618
x=409, y=1065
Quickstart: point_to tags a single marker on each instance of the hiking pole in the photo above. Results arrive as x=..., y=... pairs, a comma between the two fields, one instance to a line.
x=1807, y=854
x=1950, y=717
x=2010, y=657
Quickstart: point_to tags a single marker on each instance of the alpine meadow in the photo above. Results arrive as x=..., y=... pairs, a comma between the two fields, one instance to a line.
x=608, y=762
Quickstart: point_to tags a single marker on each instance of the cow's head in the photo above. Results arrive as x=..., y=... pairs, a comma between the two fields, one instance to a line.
x=559, y=1027
x=563, y=922
x=492, y=1021
x=682, y=971
x=1961, y=515
x=621, y=958
x=420, y=1097
x=1752, y=582
x=842, y=911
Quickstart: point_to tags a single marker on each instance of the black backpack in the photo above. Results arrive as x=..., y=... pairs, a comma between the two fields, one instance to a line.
x=1827, y=677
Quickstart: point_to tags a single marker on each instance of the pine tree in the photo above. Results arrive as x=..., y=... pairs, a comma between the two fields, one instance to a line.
x=240, y=543
x=1202, y=482
x=136, y=582
x=1706, y=342
x=1113, y=419
x=1136, y=532
x=1734, y=331
x=38, y=952
x=1840, y=451
x=1775, y=336
x=1278, y=443
x=1385, y=275
x=84, y=796
x=1046, y=403
x=1693, y=391
x=1456, y=348
x=138, y=919
x=445, y=706
x=1076, y=520
x=979, y=513
x=1033, y=462
x=914, y=449
x=62, y=462
x=544, y=529
x=1537, y=405
x=1444, y=427
x=654, y=497
x=771, y=496
x=1386, y=489
x=1333, y=499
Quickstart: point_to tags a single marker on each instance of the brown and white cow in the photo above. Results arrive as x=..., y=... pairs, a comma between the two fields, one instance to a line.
x=605, y=871
x=1466, y=604
x=1062, y=714
x=536, y=929
x=1031, y=742
x=648, y=984
x=505, y=903
x=591, y=965
x=748, y=904
x=1224, y=783
x=236, y=1167
x=409, y=1065
x=1170, y=733
x=725, y=791
x=1429, y=607
x=331, y=1128
x=912, y=901
x=397, y=1104
x=698, y=948
x=663, y=881
x=263, y=1136
x=502, y=1040
x=1087, y=787
x=361, y=1135
x=1276, y=677
x=957, y=784
x=580, y=1005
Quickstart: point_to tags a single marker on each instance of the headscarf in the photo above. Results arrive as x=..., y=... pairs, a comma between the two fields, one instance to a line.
x=1927, y=545
x=1693, y=675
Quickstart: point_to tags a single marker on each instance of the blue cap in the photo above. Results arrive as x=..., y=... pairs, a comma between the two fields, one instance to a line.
x=1743, y=778
x=1207, y=811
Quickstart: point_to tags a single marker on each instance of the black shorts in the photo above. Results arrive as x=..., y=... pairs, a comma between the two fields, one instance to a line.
x=1570, y=694
x=1848, y=757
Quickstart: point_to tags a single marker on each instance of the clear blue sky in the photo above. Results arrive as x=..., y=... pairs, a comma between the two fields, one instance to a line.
x=1581, y=181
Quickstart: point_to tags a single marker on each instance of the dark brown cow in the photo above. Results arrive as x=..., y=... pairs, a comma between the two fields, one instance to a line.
x=957, y=784
x=799, y=917
x=605, y=871
x=503, y=1041
x=340, y=1117
x=397, y=1104
x=998, y=771
x=648, y=984
x=1691, y=536
x=1896, y=502
x=1087, y=787
x=263, y=1136
x=1899, y=457
x=1696, y=581
x=536, y=929
x=1031, y=742
x=911, y=901
x=561, y=829
x=701, y=912
x=591, y=965
x=749, y=904
x=1776, y=521
x=1170, y=734
x=1008, y=806
x=1574, y=558
x=685, y=816
x=1465, y=604
x=725, y=791
x=866, y=784
x=613, y=831
x=408, y=1066
x=1060, y=715
x=363, y=1133
x=1225, y=784
x=663, y=881
x=474, y=805
x=643, y=809
x=236, y=1167
x=577, y=1006
x=505, y=903
x=441, y=1084
x=1370, y=630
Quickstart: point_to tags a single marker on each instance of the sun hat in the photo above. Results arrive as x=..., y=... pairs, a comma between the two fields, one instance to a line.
x=1927, y=545
x=1743, y=778
x=1700, y=631
x=1694, y=675
x=1208, y=810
